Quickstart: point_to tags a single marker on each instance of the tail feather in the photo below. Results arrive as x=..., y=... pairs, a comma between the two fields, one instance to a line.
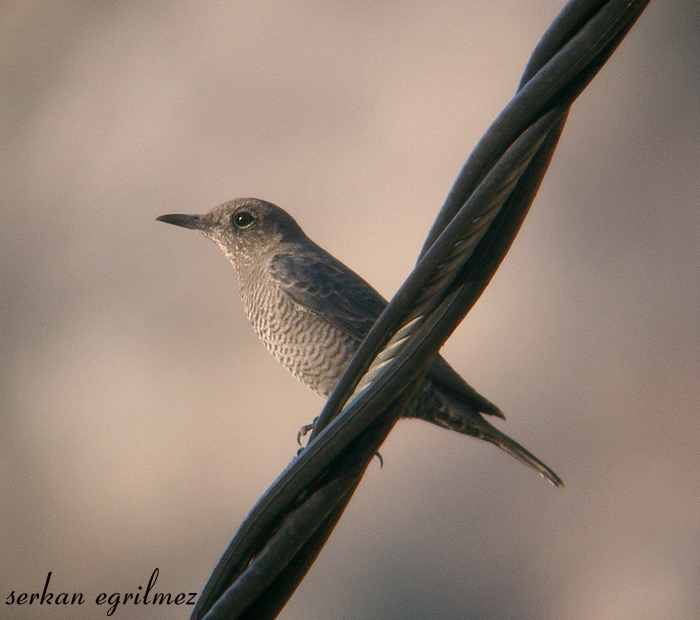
x=513, y=448
x=456, y=412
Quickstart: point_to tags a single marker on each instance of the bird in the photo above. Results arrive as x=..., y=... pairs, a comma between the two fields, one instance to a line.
x=312, y=312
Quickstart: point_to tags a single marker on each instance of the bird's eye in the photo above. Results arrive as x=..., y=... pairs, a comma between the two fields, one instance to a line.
x=242, y=219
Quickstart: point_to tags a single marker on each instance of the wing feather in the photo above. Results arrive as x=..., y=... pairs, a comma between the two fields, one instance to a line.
x=320, y=283
x=326, y=287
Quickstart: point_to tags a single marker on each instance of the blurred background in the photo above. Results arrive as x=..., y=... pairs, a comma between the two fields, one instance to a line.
x=140, y=418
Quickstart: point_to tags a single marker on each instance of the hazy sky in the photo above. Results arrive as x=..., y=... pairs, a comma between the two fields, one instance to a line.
x=140, y=418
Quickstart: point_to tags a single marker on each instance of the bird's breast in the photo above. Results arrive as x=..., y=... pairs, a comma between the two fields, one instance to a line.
x=309, y=346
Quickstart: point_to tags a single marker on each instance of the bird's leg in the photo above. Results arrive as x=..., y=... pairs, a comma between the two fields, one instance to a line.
x=303, y=431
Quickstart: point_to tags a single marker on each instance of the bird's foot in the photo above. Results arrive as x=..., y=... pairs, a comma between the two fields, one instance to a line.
x=304, y=430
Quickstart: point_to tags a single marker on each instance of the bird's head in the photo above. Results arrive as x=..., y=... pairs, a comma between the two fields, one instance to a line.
x=244, y=228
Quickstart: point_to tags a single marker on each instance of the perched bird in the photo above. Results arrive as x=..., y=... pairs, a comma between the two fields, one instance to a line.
x=312, y=312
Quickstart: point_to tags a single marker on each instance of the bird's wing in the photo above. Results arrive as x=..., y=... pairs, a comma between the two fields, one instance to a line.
x=443, y=375
x=323, y=285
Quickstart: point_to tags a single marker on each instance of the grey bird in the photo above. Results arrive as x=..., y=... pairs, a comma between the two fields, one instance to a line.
x=312, y=312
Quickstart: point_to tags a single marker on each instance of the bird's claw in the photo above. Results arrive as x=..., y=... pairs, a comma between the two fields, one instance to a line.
x=304, y=430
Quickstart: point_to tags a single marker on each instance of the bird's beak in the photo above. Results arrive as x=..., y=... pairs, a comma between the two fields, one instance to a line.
x=186, y=221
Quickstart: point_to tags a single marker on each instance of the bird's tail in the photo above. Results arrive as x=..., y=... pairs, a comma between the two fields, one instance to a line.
x=492, y=434
x=450, y=410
